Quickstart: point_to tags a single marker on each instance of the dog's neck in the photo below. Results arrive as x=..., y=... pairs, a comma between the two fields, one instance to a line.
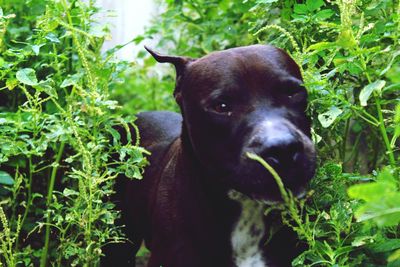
x=247, y=225
x=248, y=232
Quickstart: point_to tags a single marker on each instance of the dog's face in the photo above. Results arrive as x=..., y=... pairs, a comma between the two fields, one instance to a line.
x=247, y=99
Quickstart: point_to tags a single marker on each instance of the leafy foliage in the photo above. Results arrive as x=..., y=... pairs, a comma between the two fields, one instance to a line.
x=57, y=164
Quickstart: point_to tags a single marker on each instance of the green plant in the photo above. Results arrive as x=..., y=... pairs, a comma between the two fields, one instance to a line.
x=346, y=72
x=57, y=134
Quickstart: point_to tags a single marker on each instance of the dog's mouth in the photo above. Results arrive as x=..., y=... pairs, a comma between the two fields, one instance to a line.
x=267, y=191
x=237, y=195
x=256, y=182
x=299, y=193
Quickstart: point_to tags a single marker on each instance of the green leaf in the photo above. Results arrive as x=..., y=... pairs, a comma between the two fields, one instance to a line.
x=266, y=1
x=346, y=39
x=321, y=46
x=52, y=38
x=27, y=76
x=371, y=191
x=324, y=14
x=386, y=175
x=36, y=49
x=381, y=198
x=313, y=5
x=11, y=83
x=69, y=192
x=394, y=258
x=362, y=240
x=367, y=91
x=300, y=9
x=386, y=246
x=71, y=80
x=5, y=178
x=115, y=134
x=396, y=54
x=384, y=211
x=397, y=126
x=327, y=118
x=299, y=18
x=48, y=86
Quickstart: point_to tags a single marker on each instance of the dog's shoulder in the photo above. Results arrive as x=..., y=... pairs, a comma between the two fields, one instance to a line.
x=157, y=127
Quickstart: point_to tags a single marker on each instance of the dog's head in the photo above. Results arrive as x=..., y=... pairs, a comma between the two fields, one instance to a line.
x=246, y=99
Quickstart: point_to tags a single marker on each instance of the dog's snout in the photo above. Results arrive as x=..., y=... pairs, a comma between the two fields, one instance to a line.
x=283, y=151
x=277, y=143
x=280, y=151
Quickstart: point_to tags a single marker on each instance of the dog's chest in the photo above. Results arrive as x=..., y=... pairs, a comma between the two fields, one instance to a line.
x=247, y=233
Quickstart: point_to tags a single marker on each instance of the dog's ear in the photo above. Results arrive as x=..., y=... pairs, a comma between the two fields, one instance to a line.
x=180, y=64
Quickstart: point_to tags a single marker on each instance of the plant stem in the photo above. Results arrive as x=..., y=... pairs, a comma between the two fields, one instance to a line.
x=29, y=196
x=382, y=127
x=346, y=133
x=43, y=258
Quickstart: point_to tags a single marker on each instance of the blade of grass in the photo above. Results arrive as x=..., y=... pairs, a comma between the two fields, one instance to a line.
x=274, y=174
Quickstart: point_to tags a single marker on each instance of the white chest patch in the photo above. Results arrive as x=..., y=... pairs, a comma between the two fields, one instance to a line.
x=248, y=232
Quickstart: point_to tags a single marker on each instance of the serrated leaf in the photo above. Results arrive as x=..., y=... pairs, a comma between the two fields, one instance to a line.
x=367, y=91
x=327, y=118
x=27, y=76
x=5, y=178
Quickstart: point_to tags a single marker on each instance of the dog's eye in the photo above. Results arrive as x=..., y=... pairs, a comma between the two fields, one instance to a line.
x=297, y=96
x=294, y=94
x=222, y=107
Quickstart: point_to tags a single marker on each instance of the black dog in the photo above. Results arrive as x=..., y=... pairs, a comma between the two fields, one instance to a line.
x=246, y=99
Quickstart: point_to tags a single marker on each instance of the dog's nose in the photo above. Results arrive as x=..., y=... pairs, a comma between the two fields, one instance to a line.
x=282, y=152
x=281, y=148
